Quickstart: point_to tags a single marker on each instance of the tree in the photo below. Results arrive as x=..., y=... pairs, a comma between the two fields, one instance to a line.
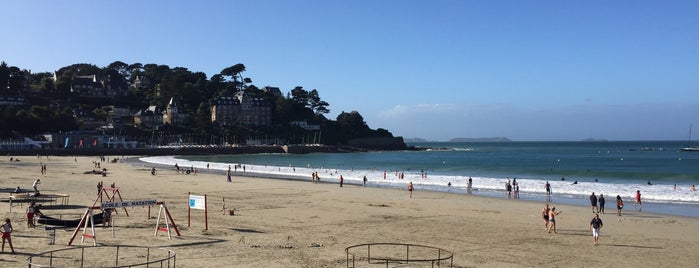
x=235, y=73
x=318, y=106
x=299, y=95
x=121, y=67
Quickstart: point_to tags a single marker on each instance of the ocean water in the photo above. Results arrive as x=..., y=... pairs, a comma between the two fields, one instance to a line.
x=611, y=168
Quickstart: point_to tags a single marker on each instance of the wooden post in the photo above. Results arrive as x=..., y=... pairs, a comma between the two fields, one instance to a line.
x=206, y=216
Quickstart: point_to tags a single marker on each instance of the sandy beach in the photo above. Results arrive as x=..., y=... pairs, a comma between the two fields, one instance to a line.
x=284, y=223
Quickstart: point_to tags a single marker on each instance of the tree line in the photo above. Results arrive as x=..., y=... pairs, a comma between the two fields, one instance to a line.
x=50, y=106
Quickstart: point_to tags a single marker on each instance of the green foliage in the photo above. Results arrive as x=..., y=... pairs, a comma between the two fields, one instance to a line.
x=53, y=105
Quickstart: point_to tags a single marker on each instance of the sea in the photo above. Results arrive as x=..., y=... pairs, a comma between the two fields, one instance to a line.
x=658, y=169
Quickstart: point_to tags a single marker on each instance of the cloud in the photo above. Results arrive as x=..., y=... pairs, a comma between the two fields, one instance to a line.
x=400, y=111
x=648, y=121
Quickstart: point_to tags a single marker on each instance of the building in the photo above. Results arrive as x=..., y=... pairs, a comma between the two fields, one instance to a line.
x=86, y=86
x=241, y=109
x=254, y=111
x=172, y=115
x=225, y=111
x=304, y=125
x=151, y=117
x=274, y=91
x=97, y=87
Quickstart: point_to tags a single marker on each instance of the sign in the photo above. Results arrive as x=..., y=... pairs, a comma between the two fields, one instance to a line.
x=197, y=202
x=136, y=203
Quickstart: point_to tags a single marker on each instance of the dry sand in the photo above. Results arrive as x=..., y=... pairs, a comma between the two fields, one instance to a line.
x=282, y=223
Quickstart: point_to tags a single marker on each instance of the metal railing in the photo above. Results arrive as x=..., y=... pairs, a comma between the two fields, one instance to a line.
x=104, y=256
x=397, y=254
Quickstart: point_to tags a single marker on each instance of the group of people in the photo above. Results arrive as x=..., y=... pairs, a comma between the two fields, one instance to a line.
x=43, y=168
x=549, y=216
x=594, y=203
x=512, y=189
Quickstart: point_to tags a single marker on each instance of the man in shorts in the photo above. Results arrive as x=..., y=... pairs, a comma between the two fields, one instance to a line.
x=595, y=226
x=545, y=215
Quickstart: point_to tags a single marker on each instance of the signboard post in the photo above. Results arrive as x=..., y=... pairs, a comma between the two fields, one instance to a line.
x=197, y=202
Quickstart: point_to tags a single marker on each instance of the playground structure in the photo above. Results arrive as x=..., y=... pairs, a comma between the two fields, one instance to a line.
x=49, y=199
x=111, y=206
x=104, y=256
x=397, y=254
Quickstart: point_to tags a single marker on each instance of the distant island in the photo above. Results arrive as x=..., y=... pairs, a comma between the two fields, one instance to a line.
x=490, y=139
x=594, y=140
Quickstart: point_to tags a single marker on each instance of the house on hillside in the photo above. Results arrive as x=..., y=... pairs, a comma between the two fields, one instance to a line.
x=225, y=111
x=274, y=91
x=172, y=115
x=92, y=86
x=86, y=86
x=254, y=111
x=16, y=100
x=241, y=110
x=151, y=117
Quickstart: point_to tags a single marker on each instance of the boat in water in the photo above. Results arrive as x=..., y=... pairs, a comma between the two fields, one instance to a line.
x=689, y=141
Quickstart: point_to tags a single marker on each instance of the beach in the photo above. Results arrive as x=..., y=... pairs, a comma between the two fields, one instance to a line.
x=288, y=223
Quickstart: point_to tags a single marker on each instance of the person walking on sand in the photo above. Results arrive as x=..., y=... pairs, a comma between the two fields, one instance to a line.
x=35, y=185
x=619, y=205
x=552, y=220
x=410, y=189
x=595, y=226
x=601, y=204
x=638, y=200
x=593, y=203
x=545, y=216
x=6, y=230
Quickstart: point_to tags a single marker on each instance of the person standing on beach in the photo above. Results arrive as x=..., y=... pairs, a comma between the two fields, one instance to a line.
x=638, y=200
x=469, y=186
x=6, y=230
x=552, y=220
x=548, y=191
x=365, y=179
x=601, y=204
x=593, y=203
x=595, y=226
x=410, y=189
x=228, y=175
x=508, y=189
x=30, y=215
x=545, y=215
x=619, y=205
x=341, y=180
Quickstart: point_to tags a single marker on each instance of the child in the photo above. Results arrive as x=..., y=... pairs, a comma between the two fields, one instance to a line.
x=6, y=230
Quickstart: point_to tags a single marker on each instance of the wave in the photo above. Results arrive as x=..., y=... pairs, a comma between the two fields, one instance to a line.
x=661, y=193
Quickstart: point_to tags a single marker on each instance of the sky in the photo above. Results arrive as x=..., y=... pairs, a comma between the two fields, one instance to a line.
x=437, y=70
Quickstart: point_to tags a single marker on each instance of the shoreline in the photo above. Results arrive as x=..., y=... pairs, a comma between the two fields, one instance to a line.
x=290, y=223
x=660, y=208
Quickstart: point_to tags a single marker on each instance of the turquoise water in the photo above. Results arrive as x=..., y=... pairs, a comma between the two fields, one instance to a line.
x=612, y=168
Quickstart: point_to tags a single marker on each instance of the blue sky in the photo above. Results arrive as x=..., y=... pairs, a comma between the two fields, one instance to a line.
x=526, y=70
